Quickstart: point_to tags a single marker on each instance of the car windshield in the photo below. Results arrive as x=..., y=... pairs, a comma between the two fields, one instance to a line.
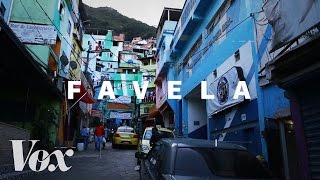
x=147, y=135
x=126, y=130
x=204, y=162
x=163, y=134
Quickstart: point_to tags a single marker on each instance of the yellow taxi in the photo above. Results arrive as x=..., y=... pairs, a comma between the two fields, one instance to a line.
x=125, y=135
x=144, y=144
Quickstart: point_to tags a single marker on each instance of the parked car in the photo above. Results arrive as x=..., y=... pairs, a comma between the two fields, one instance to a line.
x=144, y=143
x=125, y=135
x=184, y=158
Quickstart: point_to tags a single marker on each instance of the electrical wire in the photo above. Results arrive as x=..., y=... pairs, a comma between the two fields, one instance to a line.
x=211, y=43
x=77, y=56
x=72, y=49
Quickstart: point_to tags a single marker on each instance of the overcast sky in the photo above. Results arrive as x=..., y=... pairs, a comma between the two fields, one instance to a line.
x=147, y=11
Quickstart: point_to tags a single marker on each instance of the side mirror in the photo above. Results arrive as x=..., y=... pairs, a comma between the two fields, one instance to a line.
x=140, y=155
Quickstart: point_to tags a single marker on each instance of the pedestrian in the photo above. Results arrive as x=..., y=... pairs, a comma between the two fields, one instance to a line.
x=155, y=136
x=99, y=133
x=85, y=135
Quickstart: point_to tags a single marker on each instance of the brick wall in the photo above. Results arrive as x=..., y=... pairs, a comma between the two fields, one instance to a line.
x=8, y=132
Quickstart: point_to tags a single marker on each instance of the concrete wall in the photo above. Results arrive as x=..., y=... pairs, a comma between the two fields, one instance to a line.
x=197, y=118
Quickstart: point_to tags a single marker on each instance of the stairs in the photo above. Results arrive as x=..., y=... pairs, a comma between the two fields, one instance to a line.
x=7, y=172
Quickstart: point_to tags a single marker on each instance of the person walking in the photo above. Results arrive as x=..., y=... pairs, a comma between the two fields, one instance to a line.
x=155, y=136
x=85, y=135
x=99, y=132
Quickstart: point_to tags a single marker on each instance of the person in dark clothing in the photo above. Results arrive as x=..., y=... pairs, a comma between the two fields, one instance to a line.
x=155, y=136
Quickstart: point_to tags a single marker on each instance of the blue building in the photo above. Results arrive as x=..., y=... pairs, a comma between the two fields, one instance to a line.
x=165, y=31
x=5, y=9
x=223, y=43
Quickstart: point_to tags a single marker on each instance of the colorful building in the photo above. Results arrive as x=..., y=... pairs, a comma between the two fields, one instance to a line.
x=54, y=39
x=218, y=42
x=164, y=72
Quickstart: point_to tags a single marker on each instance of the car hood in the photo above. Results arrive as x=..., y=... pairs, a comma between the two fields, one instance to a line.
x=145, y=142
x=176, y=177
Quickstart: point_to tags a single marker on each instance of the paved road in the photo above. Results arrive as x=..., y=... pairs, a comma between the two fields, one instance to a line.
x=87, y=165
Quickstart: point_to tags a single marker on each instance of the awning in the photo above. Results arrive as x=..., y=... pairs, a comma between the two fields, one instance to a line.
x=87, y=98
x=153, y=112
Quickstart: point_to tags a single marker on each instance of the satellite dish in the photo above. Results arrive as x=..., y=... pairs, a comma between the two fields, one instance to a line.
x=64, y=60
x=73, y=65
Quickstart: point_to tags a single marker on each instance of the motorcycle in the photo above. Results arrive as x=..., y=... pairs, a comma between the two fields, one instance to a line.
x=109, y=134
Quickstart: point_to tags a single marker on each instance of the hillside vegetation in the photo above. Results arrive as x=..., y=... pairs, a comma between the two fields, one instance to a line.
x=105, y=18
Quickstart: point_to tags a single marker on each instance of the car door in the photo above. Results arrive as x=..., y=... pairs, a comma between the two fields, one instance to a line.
x=150, y=170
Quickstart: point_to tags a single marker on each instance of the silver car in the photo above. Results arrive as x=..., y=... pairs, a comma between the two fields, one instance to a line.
x=184, y=158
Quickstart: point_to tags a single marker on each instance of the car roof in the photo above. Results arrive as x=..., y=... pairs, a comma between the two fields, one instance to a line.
x=125, y=127
x=189, y=142
x=160, y=129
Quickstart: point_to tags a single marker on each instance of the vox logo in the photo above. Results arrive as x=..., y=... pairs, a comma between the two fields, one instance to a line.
x=33, y=158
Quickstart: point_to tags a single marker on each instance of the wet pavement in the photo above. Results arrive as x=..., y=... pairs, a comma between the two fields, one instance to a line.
x=90, y=165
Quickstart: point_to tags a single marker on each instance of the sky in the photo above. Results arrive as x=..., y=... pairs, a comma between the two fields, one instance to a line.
x=147, y=11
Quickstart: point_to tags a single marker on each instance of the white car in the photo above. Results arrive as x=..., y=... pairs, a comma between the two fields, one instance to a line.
x=144, y=143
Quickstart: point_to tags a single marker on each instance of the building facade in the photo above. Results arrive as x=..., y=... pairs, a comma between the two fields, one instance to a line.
x=164, y=72
x=218, y=43
x=5, y=9
x=293, y=65
x=54, y=40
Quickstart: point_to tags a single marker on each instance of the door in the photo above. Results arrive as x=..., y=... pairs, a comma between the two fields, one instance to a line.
x=310, y=108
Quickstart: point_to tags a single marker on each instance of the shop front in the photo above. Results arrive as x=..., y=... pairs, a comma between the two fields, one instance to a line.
x=297, y=71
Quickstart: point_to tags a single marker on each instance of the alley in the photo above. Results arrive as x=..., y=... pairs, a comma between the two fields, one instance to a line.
x=113, y=164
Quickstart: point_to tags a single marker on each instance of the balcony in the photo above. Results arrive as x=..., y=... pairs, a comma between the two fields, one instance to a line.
x=149, y=100
x=163, y=64
x=193, y=13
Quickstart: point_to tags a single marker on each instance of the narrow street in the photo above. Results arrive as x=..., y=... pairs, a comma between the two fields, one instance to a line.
x=113, y=164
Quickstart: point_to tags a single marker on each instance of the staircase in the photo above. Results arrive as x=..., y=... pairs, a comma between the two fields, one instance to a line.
x=7, y=172
x=7, y=133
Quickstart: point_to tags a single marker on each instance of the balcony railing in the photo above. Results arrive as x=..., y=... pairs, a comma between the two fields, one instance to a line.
x=149, y=99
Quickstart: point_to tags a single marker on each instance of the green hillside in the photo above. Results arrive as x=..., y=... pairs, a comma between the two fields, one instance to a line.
x=105, y=18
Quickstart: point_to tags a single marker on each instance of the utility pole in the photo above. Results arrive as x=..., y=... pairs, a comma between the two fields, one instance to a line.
x=88, y=55
x=88, y=58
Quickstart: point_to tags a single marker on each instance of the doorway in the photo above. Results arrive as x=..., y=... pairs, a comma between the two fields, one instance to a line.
x=281, y=142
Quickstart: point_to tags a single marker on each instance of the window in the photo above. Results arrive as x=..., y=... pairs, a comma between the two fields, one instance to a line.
x=220, y=162
x=146, y=110
x=217, y=17
x=69, y=28
x=237, y=55
x=147, y=135
x=130, y=130
x=2, y=9
x=195, y=47
x=61, y=10
x=115, y=43
x=215, y=74
x=98, y=68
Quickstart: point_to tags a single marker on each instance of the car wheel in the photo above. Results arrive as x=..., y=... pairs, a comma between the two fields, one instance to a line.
x=113, y=146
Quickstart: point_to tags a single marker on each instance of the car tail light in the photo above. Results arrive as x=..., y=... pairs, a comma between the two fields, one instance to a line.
x=135, y=136
x=117, y=135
